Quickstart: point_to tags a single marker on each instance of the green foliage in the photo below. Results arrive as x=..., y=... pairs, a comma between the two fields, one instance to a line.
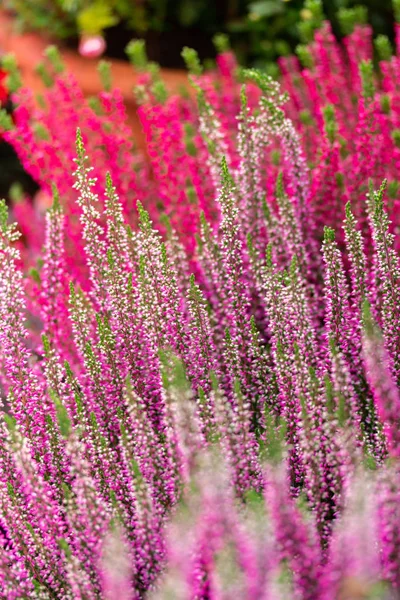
x=378, y=200
x=367, y=319
x=80, y=149
x=54, y=58
x=393, y=188
x=259, y=30
x=136, y=53
x=3, y=216
x=383, y=47
x=350, y=17
x=304, y=56
x=96, y=17
x=221, y=43
x=329, y=234
x=43, y=73
x=63, y=419
x=367, y=78
x=9, y=64
x=192, y=61
x=160, y=91
x=64, y=546
x=144, y=218
x=173, y=371
x=330, y=122
x=104, y=70
x=6, y=122
x=312, y=16
x=10, y=422
x=396, y=9
x=275, y=433
x=385, y=104
x=396, y=137
x=35, y=275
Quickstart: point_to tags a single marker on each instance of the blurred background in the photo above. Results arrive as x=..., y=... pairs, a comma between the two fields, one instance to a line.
x=259, y=32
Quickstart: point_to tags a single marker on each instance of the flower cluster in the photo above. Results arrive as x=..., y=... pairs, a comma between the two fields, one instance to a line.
x=205, y=405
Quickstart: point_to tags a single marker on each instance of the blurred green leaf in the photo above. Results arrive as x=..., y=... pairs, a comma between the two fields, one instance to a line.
x=190, y=11
x=96, y=17
x=265, y=8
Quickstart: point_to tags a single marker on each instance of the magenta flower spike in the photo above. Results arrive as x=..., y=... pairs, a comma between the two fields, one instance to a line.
x=198, y=317
x=296, y=539
x=380, y=378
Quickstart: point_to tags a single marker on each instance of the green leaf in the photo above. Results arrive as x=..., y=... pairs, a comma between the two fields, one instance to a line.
x=329, y=234
x=221, y=43
x=96, y=17
x=304, y=55
x=46, y=344
x=136, y=52
x=64, y=546
x=275, y=436
x=10, y=490
x=53, y=55
x=190, y=12
x=80, y=148
x=369, y=462
x=385, y=104
x=40, y=130
x=34, y=273
x=367, y=319
x=265, y=8
x=227, y=178
x=254, y=498
x=192, y=61
x=395, y=135
x=63, y=419
x=160, y=91
x=367, y=78
x=45, y=76
x=350, y=17
x=9, y=64
x=396, y=10
x=3, y=215
x=104, y=69
x=6, y=122
x=330, y=122
x=279, y=190
x=173, y=371
x=383, y=47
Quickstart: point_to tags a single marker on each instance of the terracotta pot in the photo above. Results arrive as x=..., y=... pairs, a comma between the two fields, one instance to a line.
x=29, y=48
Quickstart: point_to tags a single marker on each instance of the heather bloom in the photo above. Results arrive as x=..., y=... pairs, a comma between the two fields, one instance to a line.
x=54, y=276
x=208, y=537
x=355, y=550
x=296, y=539
x=116, y=568
x=287, y=402
x=388, y=524
x=385, y=392
x=202, y=350
x=200, y=371
x=338, y=327
x=387, y=266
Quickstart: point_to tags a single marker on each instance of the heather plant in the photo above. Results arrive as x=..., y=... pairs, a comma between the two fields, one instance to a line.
x=205, y=404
